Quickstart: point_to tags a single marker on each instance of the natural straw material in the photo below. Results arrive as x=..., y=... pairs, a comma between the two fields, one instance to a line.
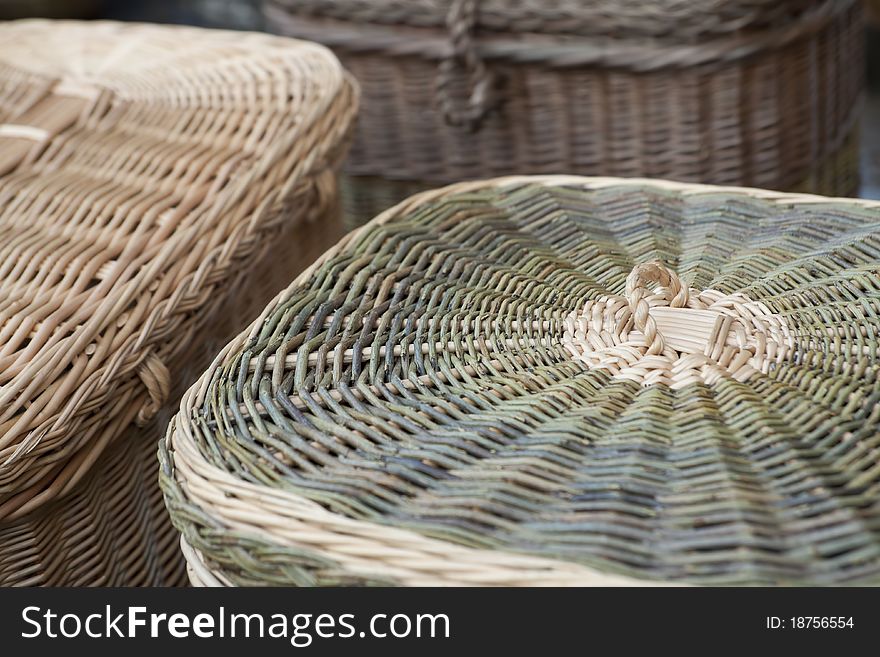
x=557, y=381
x=145, y=174
x=744, y=92
x=675, y=335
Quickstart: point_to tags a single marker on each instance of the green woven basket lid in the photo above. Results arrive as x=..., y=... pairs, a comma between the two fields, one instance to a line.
x=552, y=380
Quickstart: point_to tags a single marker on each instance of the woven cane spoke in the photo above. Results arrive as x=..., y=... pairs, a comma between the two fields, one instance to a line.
x=820, y=513
x=814, y=278
x=830, y=298
x=533, y=468
x=645, y=224
x=359, y=451
x=392, y=316
x=717, y=230
x=810, y=244
x=603, y=236
x=848, y=331
x=838, y=435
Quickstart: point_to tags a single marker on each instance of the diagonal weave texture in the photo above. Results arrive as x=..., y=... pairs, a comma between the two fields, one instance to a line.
x=146, y=174
x=765, y=93
x=410, y=410
x=671, y=20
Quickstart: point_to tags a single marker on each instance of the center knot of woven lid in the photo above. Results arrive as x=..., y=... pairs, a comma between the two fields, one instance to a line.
x=662, y=331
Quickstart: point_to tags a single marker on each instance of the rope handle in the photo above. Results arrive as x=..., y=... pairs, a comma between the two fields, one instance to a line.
x=157, y=380
x=637, y=292
x=461, y=22
x=663, y=331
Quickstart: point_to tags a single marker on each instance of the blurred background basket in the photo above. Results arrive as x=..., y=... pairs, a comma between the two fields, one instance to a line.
x=762, y=93
x=557, y=381
x=156, y=183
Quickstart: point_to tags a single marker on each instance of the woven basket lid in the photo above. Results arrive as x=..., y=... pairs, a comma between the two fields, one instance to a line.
x=552, y=380
x=676, y=19
x=141, y=167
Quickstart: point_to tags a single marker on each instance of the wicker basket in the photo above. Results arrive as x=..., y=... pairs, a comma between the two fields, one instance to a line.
x=744, y=92
x=155, y=182
x=556, y=380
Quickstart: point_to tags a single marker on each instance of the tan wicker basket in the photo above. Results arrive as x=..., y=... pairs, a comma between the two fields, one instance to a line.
x=561, y=380
x=763, y=93
x=155, y=182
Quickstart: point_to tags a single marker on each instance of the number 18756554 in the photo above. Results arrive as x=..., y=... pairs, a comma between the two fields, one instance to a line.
x=810, y=623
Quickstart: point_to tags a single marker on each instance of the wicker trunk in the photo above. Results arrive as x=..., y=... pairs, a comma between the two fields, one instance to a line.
x=155, y=183
x=762, y=93
x=551, y=380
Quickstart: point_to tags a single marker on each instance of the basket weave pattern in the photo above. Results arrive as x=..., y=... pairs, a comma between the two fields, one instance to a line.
x=675, y=335
x=482, y=386
x=144, y=173
x=764, y=94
